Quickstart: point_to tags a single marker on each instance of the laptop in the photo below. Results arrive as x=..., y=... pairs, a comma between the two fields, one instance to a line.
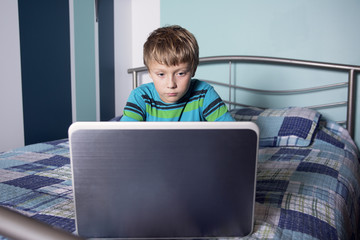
x=164, y=180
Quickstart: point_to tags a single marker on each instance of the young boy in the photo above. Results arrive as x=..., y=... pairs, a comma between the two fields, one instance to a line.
x=171, y=55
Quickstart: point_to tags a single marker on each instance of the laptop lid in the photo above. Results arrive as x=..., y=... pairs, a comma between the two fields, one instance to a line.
x=164, y=180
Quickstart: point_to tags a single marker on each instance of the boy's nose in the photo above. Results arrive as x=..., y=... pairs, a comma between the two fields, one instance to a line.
x=171, y=83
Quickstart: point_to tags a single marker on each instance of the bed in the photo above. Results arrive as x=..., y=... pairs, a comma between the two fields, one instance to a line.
x=308, y=177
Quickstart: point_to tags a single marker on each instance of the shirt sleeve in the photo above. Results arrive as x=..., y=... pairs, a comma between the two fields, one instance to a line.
x=214, y=107
x=135, y=107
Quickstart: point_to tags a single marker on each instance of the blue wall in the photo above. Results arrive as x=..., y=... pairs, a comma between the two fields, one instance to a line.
x=323, y=30
x=94, y=60
x=106, y=59
x=45, y=67
x=85, y=61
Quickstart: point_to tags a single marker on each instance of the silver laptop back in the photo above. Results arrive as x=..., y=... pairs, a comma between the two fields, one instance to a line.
x=164, y=180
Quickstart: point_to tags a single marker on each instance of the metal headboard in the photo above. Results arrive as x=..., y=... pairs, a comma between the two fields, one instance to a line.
x=350, y=84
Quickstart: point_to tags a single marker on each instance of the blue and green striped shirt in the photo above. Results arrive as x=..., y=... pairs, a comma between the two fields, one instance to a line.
x=200, y=103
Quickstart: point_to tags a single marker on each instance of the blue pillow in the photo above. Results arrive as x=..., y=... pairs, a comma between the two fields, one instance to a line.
x=292, y=126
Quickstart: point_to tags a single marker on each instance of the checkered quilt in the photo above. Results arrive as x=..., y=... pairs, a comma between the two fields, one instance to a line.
x=303, y=192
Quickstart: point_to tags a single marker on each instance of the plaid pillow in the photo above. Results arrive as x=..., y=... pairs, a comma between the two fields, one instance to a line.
x=292, y=126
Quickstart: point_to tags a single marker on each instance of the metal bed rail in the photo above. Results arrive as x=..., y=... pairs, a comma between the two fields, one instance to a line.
x=349, y=69
x=16, y=226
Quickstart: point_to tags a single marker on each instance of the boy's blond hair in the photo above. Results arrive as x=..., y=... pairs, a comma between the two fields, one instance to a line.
x=172, y=45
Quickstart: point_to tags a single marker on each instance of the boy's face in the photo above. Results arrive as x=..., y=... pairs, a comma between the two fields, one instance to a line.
x=172, y=82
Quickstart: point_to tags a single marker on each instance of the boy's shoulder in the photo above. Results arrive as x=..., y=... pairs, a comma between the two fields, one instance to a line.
x=144, y=91
x=149, y=85
x=199, y=84
x=145, y=88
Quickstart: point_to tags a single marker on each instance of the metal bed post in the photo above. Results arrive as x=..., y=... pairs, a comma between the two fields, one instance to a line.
x=351, y=103
x=134, y=72
x=134, y=79
x=230, y=105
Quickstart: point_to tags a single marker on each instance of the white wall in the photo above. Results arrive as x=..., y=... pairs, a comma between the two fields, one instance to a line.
x=134, y=20
x=11, y=114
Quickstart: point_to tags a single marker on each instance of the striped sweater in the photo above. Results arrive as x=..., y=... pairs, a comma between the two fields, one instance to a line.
x=200, y=103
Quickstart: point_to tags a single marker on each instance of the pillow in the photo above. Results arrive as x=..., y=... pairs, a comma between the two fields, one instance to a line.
x=116, y=119
x=292, y=126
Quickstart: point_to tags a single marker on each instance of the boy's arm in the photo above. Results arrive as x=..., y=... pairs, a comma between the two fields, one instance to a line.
x=214, y=108
x=134, y=109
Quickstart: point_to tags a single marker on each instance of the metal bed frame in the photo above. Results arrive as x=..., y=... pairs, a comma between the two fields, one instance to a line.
x=17, y=226
x=350, y=84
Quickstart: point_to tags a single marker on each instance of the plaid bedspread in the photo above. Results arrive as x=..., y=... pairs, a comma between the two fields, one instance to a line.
x=311, y=192
x=302, y=192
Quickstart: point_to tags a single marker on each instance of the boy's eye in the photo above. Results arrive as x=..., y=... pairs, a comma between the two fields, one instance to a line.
x=182, y=73
x=160, y=74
